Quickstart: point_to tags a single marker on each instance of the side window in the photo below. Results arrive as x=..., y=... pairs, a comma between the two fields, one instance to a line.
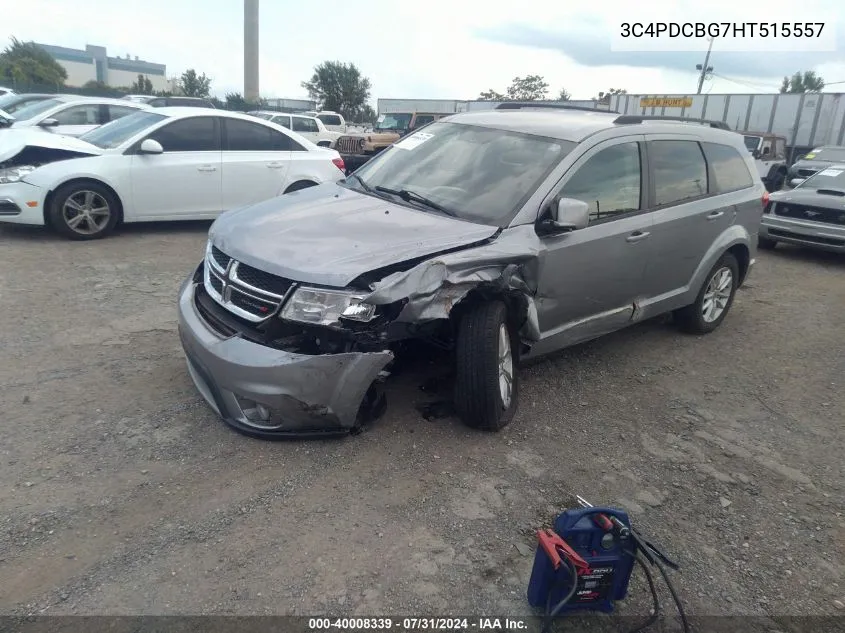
x=609, y=182
x=423, y=119
x=117, y=112
x=330, y=119
x=301, y=125
x=680, y=172
x=729, y=168
x=780, y=148
x=88, y=114
x=157, y=103
x=284, y=121
x=311, y=124
x=197, y=134
x=243, y=136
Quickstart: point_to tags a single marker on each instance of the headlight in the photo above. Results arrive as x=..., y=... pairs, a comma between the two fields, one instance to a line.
x=326, y=307
x=14, y=174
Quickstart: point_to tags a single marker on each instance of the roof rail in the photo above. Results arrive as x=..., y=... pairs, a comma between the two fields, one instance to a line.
x=519, y=105
x=636, y=118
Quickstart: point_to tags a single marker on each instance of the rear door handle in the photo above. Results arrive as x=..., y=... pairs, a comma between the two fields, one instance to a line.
x=636, y=236
x=207, y=168
x=715, y=214
x=275, y=165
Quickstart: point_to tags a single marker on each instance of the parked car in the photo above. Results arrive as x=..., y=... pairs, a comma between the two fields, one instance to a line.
x=812, y=214
x=500, y=235
x=167, y=102
x=813, y=162
x=11, y=103
x=333, y=121
x=769, y=153
x=310, y=127
x=357, y=148
x=155, y=164
x=72, y=115
x=6, y=91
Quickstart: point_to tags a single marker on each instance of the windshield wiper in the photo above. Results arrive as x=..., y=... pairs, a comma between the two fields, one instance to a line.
x=413, y=196
x=364, y=185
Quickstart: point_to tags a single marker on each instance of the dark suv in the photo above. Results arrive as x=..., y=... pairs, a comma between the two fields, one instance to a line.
x=498, y=235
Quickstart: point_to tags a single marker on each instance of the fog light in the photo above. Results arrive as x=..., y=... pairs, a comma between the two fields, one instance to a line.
x=254, y=411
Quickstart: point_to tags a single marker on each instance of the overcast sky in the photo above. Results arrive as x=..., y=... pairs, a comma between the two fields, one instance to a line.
x=431, y=49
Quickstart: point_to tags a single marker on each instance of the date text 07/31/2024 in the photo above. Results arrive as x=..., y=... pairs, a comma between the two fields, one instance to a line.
x=417, y=624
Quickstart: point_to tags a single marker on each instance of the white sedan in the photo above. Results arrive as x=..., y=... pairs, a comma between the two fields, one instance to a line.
x=73, y=115
x=310, y=127
x=157, y=164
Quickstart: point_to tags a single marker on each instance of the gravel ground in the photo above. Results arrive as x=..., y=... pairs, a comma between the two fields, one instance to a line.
x=123, y=494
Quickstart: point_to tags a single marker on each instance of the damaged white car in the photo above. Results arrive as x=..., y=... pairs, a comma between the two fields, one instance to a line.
x=496, y=235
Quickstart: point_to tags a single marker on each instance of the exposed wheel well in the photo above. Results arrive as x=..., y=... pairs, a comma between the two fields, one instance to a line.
x=743, y=258
x=514, y=301
x=300, y=184
x=48, y=201
x=324, y=143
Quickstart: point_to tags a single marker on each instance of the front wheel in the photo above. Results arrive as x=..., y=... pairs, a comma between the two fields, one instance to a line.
x=486, y=385
x=714, y=300
x=83, y=210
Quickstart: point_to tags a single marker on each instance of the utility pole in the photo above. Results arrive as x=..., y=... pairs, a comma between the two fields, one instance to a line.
x=251, y=50
x=704, y=68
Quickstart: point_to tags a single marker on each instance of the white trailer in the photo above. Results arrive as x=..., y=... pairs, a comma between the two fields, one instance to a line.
x=450, y=106
x=806, y=120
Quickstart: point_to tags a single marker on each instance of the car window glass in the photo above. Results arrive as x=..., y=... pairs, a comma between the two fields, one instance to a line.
x=88, y=114
x=117, y=112
x=284, y=121
x=301, y=125
x=330, y=119
x=157, y=103
x=244, y=136
x=729, y=168
x=197, y=134
x=311, y=124
x=680, y=172
x=422, y=119
x=609, y=182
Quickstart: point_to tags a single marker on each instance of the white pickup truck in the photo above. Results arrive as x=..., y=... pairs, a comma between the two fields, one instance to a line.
x=310, y=127
x=769, y=152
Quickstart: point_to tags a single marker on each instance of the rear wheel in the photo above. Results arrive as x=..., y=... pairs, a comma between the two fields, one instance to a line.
x=84, y=210
x=486, y=384
x=714, y=300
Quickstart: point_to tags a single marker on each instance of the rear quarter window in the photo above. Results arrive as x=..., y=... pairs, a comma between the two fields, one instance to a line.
x=729, y=168
x=330, y=119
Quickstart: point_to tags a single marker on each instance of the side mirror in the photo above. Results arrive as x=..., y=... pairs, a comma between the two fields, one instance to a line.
x=755, y=154
x=48, y=123
x=568, y=215
x=795, y=182
x=150, y=146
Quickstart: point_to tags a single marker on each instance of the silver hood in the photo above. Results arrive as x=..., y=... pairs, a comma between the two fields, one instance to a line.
x=329, y=235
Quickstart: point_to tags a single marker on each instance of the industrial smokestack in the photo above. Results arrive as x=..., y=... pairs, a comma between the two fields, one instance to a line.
x=251, y=50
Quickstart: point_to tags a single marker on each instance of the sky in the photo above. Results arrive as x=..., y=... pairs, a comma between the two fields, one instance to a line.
x=436, y=49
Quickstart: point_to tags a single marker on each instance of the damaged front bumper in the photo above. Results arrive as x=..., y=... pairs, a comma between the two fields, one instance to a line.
x=273, y=394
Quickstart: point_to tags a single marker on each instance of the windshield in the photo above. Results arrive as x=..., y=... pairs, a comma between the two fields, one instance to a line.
x=478, y=174
x=117, y=132
x=832, y=154
x=752, y=142
x=7, y=99
x=830, y=178
x=34, y=109
x=393, y=122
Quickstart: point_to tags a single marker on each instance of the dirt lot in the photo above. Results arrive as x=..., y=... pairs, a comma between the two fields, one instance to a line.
x=123, y=494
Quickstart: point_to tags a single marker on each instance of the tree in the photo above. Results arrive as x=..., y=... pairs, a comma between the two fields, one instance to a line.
x=102, y=89
x=193, y=85
x=528, y=88
x=26, y=63
x=604, y=97
x=564, y=95
x=236, y=101
x=808, y=81
x=142, y=86
x=340, y=87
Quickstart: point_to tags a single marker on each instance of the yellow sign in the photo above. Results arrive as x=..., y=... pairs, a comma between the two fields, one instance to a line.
x=666, y=102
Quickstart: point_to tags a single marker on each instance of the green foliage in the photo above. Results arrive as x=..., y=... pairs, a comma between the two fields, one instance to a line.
x=101, y=89
x=193, y=85
x=142, y=86
x=25, y=63
x=339, y=87
x=564, y=95
x=528, y=88
x=604, y=97
x=808, y=81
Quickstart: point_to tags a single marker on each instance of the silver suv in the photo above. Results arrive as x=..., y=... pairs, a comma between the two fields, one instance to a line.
x=500, y=235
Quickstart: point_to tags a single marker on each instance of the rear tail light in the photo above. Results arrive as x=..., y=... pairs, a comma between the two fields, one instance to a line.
x=765, y=200
x=338, y=162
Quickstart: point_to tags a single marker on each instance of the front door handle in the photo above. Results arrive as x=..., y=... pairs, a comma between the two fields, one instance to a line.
x=636, y=236
x=715, y=214
x=207, y=168
x=275, y=165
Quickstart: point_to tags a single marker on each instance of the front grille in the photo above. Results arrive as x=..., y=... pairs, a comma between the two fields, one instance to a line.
x=243, y=290
x=818, y=239
x=814, y=214
x=348, y=145
x=806, y=173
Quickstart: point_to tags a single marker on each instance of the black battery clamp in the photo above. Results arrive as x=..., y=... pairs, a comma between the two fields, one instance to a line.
x=586, y=562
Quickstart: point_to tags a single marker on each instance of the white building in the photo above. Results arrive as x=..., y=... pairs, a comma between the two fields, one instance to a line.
x=92, y=64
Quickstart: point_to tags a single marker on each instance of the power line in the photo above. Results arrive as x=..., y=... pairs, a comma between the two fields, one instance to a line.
x=759, y=88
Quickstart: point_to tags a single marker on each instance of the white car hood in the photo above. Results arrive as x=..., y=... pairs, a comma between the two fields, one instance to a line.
x=13, y=141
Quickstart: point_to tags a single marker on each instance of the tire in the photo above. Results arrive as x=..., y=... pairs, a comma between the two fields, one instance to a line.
x=299, y=185
x=79, y=199
x=692, y=318
x=766, y=244
x=775, y=183
x=483, y=332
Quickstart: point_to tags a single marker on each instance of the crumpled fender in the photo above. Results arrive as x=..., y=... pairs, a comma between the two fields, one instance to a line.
x=434, y=287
